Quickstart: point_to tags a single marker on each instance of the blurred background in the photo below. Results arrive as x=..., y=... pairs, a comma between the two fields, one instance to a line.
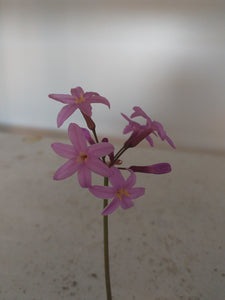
x=165, y=56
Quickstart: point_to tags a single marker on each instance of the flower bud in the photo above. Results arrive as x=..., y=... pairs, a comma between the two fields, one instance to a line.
x=89, y=121
x=160, y=168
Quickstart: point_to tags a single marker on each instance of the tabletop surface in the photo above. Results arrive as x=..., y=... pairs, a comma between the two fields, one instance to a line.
x=169, y=246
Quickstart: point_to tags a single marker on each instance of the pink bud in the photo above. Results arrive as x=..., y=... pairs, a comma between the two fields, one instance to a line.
x=160, y=168
x=89, y=121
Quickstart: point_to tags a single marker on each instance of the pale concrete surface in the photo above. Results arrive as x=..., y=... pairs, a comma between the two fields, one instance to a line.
x=169, y=246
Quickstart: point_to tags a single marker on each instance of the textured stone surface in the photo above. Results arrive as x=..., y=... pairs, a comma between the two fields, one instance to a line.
x=169, y=246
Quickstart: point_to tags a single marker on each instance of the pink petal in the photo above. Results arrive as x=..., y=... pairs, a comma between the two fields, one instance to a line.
x=150, y=140
x=98, y=167
x=85, y=107
x=99, y=99
x=103, y=192
x=160, y=130
x=84, y=176
x=170, y=142
x=116, y=179
x=66, y=170
x=90, y=94
x=88, y=136
x=136, y=137
x=77, y=92
x=113, y=205
x=126, y=203
x=136, y=192
x=100, y=149
x=131, y=180
x=138, y=112
x=125, y=117
x=77, y=137
x=67, y=99
x=63, y=150
x=65, y=113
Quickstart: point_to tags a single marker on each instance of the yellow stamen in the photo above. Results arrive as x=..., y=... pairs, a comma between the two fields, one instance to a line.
x=122, y=192
x=83, y=157
x=79, y=100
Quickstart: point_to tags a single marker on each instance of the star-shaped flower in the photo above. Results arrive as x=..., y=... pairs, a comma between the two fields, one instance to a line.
x=82, y=158
x=140, y=132
x=77, y=99
x=122, y=191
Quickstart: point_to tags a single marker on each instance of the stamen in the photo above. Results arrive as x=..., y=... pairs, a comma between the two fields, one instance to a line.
x=83, y=157
x=79, y=100
x=122, y=192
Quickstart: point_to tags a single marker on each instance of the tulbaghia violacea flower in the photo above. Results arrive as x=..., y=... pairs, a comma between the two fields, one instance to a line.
x=122, y=191
x=83, y=159
x=140, y=132
x=160, y=168
x=77, y=99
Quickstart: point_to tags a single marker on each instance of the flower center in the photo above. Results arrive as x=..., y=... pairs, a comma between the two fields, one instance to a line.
x=122, y=192
x=80, y=100
x=82, y=157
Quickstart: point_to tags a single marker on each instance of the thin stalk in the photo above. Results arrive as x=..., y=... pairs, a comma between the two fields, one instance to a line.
x=95, y=135
x=118, y=154
x=106, y=247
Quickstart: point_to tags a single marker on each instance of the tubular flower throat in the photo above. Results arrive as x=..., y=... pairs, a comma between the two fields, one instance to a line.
x=80, y=100
x=82, y=158
x=122, y=192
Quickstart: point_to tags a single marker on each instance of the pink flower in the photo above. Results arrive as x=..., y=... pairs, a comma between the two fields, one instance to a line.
x=160, y=168
x=140, y=132
x=122, y=191
x=82, y=158
x=77, y=99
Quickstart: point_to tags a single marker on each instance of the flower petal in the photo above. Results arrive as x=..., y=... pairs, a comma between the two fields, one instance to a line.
x=66, y=170
x=98, y=99
x=86, y=108
x=100, y=149
x=136, y=192
x=90, y=94
x=159, y=128
x=77, y=92
x=131, y=180
x=67, y=99
x=125, y=117
x=88, y=136
x=111, y=207
x=116, y=179
x=97, y=166
x=170, y=142
x=84, y=177
x=77, y=137
x=126, y=202
x=103, y=192
x=65, y=113
x=150, y=141
x=138, y=112
x=63, y=150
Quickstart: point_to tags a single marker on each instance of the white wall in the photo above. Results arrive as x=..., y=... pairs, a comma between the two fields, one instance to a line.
x=167, y=59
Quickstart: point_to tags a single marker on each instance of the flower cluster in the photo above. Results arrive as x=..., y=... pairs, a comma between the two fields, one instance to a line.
x=86, y=154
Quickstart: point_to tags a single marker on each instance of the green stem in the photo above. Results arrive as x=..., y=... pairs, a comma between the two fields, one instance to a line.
x=95, y=135
x=106, y=247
